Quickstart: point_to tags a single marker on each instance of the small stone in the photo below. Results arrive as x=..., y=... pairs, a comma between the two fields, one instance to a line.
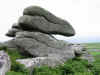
x=12, y=32
x=5, y=63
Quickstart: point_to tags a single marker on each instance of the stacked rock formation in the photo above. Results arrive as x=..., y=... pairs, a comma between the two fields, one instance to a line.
x=32, y=35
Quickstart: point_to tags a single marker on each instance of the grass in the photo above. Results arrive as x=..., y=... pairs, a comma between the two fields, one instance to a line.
x=16, y=68
x=72, y=67
x=95, y=53
x=14, y=73
x=92, y=45
x=75, y=67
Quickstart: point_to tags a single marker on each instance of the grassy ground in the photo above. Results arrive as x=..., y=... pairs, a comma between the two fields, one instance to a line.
x=95, y=53
x=71, y=67
x=93, y=45
x=94, y=49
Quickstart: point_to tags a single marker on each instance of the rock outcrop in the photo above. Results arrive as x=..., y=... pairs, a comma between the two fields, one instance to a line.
x=42, y=45
x=32, y=35
x=38, y=19
x=39, y=23
x=51, y=19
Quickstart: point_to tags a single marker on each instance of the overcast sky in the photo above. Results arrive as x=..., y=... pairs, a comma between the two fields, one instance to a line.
x=84, y=15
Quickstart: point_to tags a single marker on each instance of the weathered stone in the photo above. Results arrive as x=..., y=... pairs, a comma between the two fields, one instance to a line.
x=31, y=62
x=85, y=55
x=39, y=23
x=10, y=44
x=15, y=25
x=40, y=61
x=78, y=48
x=49, y=40
x=33, y=37
x=12, y=32
x=81, y=51
x=53, y=60
x=5, y=63
x=40, y=44
x=38, y=11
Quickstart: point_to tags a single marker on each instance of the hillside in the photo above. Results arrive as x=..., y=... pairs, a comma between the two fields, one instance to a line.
x=92, y=45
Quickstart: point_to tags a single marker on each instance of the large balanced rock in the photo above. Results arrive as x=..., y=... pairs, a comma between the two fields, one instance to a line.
x=40, y=19
x=32, y=36
x=38, y=11
x=5, y=63
x=39, y=23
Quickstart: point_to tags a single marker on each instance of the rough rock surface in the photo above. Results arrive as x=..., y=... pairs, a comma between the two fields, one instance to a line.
x=40, y=61
x=78, y=48
x=39, y=23
x=5, y=63
x=38, y=11
x=43, y=45
x=55, y=59
x=32, y=35
x=16, y=25
x=12, y=32
x=31, y=62
x=40, y=44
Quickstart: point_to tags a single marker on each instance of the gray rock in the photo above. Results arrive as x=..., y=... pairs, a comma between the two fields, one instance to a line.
x=12, y=32
x=39, y=23
x=53, y=60
x=33, y=36
x=41, y=45
x=5, y=63
x=78, y=48
x=81, y=51
x=87, y=56
x=41, y=37
x=10, y=44
x=38, y=11
x=15, y=25
x=31, y=62
x=40, y=61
